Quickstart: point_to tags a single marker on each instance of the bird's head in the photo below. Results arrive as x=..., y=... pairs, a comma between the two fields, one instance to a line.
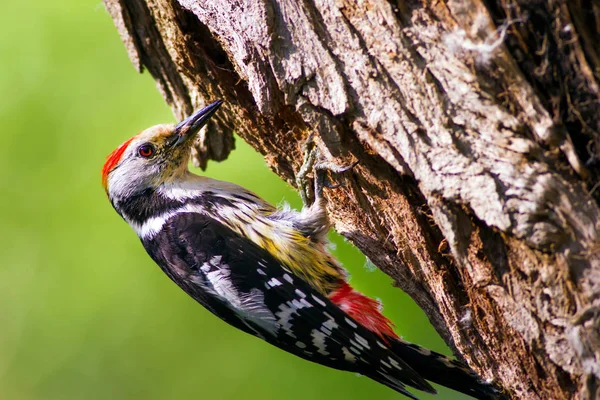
x=152, y=157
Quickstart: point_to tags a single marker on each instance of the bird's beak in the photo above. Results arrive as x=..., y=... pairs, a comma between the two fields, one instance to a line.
x=188, y=128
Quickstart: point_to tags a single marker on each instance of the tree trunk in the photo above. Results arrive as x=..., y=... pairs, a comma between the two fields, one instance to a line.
x=476, y=125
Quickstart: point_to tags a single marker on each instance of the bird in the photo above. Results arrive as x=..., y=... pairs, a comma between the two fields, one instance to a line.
x=266, y=271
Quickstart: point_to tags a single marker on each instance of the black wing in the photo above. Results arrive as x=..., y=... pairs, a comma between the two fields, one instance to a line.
x=250, y=289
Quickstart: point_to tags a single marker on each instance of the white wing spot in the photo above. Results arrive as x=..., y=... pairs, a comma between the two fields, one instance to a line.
x=386, y=364
x=274, y=282
x=297, y=304
x=347, y=355
x=250, y=306
x=300, y=293
x=300, y=345
x=285, y=313
x=383, y=346
x=354, y=350
x=319, y=301
x=288, y=278
x=254, y=310
x=330, y=324
x=306, y=303
x=362, y=341
x=319, y=342
x=351, y=323
x=261, y=272
x=355, y=344
x=219, y=279
x=395, y=363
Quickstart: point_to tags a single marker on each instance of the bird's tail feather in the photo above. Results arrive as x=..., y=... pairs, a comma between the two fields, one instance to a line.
x=444, y=371
x=396, y=384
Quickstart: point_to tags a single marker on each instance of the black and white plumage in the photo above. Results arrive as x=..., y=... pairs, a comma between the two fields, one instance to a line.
x=248, y=288
x=263, y=270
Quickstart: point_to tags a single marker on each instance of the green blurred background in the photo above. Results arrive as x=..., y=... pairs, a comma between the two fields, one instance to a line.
x=84, y=312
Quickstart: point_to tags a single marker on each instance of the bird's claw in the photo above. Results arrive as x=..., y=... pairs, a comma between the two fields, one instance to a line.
x=313, y=162
x=311, y=154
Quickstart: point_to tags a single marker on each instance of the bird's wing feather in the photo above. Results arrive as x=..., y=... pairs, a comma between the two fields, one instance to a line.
x=250, y=289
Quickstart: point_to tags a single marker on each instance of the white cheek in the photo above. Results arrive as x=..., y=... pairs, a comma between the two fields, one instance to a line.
x=131, y=176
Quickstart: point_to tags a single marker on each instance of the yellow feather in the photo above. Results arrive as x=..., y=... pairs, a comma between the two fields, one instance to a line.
x=304, y=258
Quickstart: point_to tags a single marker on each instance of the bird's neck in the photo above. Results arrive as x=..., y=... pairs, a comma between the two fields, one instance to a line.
x=187, y=192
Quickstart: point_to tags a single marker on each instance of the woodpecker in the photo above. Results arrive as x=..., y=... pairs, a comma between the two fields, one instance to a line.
x=262, y=269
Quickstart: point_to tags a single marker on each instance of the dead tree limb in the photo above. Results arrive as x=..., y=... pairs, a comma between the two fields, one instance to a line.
x=476, y=124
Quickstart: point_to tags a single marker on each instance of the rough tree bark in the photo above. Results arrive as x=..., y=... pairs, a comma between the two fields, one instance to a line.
x=476, y=124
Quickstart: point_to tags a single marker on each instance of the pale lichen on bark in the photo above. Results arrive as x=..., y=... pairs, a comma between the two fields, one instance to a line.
x=485, y=154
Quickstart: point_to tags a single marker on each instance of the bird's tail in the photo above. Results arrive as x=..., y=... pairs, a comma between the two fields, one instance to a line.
x=444, y=371
x=425, y=363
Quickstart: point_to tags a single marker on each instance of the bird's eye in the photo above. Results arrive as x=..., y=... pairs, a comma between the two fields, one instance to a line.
x=146, y=150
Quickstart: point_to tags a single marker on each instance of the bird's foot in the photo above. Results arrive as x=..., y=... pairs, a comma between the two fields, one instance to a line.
x=314, y=162
x=311, y=154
